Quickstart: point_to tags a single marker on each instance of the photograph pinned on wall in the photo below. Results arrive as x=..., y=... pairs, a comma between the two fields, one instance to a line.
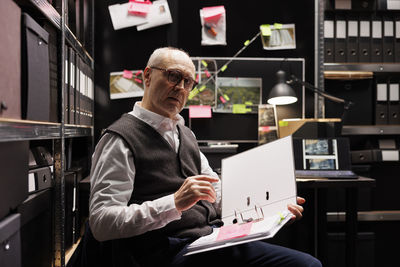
x=267, y=124
x=213, y=22
x=238, y=95
x=278, y=36
x=126, y=84
x=203, y=94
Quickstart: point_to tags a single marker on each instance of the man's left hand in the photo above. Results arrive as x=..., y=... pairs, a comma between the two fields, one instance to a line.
x=297, y=210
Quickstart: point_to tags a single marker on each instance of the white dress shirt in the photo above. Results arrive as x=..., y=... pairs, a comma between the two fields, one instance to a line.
x=112, y=180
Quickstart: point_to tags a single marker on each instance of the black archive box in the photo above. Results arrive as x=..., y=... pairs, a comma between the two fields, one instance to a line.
x=39, y=179
x=10, y=241
x=35, y=71
x=13, y=172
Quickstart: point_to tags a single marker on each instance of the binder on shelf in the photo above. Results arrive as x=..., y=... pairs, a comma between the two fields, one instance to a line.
x=253, y=209
x=388, y=5
x=364, y=46
x=35, y=71
x=70, y=207
x=397, y=39
x=91, y=95
x=388, y=39
x=352, y=39
x=72, y=86
x=381, y=107
x=394, y=104
x=329, y=37
x=39, y=179
x=376, y=40
x=340, y=39
x=66, y=86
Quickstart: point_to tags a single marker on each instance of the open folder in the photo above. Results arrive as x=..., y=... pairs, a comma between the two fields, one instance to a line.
x=257, y=186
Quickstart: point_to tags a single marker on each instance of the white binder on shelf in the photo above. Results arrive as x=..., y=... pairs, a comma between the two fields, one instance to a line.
x=257, y=186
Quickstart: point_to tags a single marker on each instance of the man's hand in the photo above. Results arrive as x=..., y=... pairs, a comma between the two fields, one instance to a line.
x=297, y=210
x=195, y=188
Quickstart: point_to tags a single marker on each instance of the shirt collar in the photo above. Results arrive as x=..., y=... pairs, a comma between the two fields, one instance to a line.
x=155, y=120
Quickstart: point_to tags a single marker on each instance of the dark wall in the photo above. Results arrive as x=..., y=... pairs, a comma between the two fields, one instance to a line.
x=129, y=49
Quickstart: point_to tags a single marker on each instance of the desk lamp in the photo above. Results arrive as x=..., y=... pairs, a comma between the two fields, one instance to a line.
x=283, y=94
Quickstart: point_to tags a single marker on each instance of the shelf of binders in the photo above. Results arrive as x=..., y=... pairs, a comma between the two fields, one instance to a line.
x=18, y=130
x=367, y=67
x=371, y=130
x=54, y=17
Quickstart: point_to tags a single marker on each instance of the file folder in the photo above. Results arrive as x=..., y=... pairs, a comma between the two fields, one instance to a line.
x=388, y=39
x=397, y=39
x=376, y=43
x=66, y=86
x=340, y=39
x=352, y=40
x=254, y=208
x=364, y=40
x=381, y=107
x=394, y=105
x=329, y=35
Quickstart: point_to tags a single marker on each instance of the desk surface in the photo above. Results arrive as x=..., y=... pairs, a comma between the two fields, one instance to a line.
x=321, y=182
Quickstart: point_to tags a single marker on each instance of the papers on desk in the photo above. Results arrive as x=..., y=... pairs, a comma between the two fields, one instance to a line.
x=257, y=186
x=158, y=14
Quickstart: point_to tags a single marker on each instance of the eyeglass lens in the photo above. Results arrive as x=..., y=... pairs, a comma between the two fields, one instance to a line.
x=176, y=77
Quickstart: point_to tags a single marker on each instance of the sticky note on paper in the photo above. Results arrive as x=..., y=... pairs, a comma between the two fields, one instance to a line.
x=239, y=108
x=283, y=123
x=264, y=128
x=224, y=68
x=193, y=93
x=200, y=111
x=226, y=97
x=234, y=231
x=138, y=80
x=265, y=30
x=278, y=26
x=213, y=14
x=127, y=74
x=207, y=73
x=222, y=99
x=204, y=63
x=139, y=7
x=197, y=78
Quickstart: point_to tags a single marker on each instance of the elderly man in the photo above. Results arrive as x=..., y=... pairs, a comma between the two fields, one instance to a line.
x=152, y=190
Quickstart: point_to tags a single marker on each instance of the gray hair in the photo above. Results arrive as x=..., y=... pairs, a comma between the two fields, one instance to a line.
x=158, y=55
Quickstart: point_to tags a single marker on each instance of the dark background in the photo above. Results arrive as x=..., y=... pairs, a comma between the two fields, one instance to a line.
x=129, y=49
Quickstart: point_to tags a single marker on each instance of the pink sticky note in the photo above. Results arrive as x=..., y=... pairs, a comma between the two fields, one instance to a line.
x=200, y=111
x=207, y=73
x=212, y=14
x=222, y=99
x=234, y=231
x=197, y=78
x=139, y=7
x=138, y=72
x=138, y=80
x=127, y=74
x=264, y=128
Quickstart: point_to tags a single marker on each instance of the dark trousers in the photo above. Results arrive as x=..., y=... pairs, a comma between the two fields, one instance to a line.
x=151, y=250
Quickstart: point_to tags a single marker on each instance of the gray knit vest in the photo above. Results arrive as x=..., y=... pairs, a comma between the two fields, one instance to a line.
x=160, y=171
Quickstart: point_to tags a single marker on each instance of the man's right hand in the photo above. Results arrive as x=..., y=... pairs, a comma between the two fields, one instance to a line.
x=195, y=188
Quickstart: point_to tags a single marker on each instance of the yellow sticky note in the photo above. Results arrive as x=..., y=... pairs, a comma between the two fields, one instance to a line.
x=226, y=97
x=283, y=123
x=278, y=26
x=248, y=103
x=202, y=88
x=204, y=63
x=224, y=68
x=265, y=30
x=246, y=43
x=239, y=108
x=193, y=93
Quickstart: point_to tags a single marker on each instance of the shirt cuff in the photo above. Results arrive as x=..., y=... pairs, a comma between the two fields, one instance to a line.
x=167, y=209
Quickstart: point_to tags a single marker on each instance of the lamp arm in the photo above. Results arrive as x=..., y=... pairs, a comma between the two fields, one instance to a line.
x=320, y=92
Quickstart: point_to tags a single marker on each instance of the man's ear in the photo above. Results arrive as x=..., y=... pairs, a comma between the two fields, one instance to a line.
x=146, y=76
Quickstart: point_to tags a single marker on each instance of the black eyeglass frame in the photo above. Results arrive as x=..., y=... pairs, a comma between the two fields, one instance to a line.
x=182, y=77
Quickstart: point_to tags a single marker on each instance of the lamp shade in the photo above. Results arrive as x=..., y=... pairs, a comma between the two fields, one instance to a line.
x=281, y=93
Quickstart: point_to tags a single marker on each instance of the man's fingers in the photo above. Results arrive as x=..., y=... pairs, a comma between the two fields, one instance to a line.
x=300, y=200
x=205, y=178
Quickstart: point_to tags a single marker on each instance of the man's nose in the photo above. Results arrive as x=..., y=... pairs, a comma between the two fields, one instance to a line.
x=181, y=84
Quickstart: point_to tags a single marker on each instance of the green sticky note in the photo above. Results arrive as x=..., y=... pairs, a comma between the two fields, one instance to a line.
x=265, y=30
x=239, y=108
x=246, y=43
x=226, y=97
x=278, y=26
x=283, y=123
x=248, y=103
x=204, y=63
x=193, y=93
x=202, y=88
x=224, y=68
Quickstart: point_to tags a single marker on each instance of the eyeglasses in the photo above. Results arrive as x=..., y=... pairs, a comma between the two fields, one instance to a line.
x=176, y=76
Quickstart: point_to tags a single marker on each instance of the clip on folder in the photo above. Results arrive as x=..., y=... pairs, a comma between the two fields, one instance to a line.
x=254, y=208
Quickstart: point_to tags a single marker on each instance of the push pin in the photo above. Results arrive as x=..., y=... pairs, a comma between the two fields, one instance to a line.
x=210, y=29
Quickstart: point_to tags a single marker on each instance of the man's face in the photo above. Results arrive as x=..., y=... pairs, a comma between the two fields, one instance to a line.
x=161, y=96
